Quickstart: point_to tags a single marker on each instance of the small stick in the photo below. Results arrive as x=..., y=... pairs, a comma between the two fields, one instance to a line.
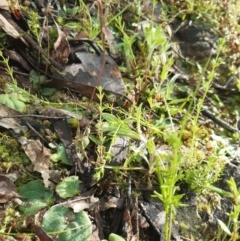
x=38, y=134
x=34, y=116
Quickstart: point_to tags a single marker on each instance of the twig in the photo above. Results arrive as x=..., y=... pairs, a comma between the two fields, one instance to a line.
x=38, y=134
x=34, y=116
x=220, y=122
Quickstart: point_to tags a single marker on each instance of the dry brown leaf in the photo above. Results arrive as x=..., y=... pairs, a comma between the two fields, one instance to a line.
x=111, y=42
x=39, y=155
x=95, y=234
x=82, y=76
x=4, y=5
x=128, y=223
x=39, y=3
x=12, y=54
x=143, y=223
x=61, y=47
x=79, y=205
x=10, y=123
x=8, y=28
x=16, y=10
x=8, y=190
x=111, y=203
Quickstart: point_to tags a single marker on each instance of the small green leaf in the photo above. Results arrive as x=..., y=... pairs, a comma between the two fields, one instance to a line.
x=176, y=101
x=122, y=131
x=95, y=139
x=61, y=155
x=69, y=187
x=110, y=118
x=55, y=157
x=70, y=226
x=62, y=13
x=83, y=143
x=52, y=145
x=118, y=127
x=36, y=79
x=37, y=196
x=48, y=91
x=61, y=151
x=151, y=146
x=115, y=237
x=73, y=25
x=72, y=11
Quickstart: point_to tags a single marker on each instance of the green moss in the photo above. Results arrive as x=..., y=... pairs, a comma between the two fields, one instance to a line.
x=74, y=123
x=11, y=152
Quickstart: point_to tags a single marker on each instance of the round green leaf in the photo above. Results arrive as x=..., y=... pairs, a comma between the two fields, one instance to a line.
x=70, y=226
x=37, y=196
x=69, y=187
x=54, y=219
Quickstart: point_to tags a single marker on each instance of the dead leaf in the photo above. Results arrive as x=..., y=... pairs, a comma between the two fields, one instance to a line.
x=119, y=150
x=39, y=3
x=154, y=216
x=61, y=47
x=128, y=223
x=111, y=42
x=95, y=234
x=8, y=28
x=81, y=36
x=112, y=202
x=79, y=205
x=82, y=77
x=10, y=123
x=143, y=223
x=8, y=190
x=111, y=79
x=39, y=155
x=4, y=5
x=157, y=219
x=18, y=58
x=16, y=10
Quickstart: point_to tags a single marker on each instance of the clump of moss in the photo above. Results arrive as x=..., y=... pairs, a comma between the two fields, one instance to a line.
x=11, y=152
